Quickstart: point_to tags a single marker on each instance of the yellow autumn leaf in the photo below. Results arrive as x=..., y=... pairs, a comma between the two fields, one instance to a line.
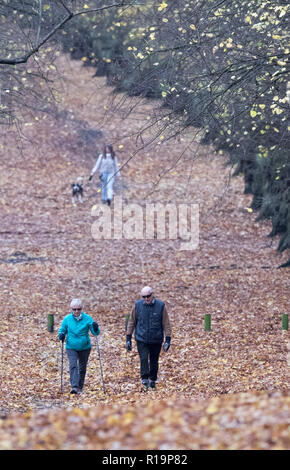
x=128, y=418
x=162, y=6
x=113, y=419
x=211, y=409
x=277, y=110
x=203, y=421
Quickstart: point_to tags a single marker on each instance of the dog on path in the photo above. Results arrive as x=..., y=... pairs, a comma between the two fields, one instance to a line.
x=77, y=190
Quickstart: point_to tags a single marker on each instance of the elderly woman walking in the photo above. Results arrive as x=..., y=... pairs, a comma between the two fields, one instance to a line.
x=75, y=328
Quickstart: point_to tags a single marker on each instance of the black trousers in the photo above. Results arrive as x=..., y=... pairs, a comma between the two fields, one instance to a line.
x=149, y=356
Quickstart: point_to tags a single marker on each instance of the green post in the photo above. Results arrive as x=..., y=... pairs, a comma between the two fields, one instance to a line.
x=207, y=322
x=285, y=321
x=126, y=321
x=50, y=322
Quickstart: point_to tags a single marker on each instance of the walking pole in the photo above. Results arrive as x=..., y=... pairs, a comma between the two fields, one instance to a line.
x=99, y=355
x=61, y=370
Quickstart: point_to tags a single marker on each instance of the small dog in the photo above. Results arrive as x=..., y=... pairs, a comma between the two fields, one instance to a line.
x=77, y=190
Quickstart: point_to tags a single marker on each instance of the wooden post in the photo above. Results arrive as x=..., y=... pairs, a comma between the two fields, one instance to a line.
x=285, y=321
x=50, y=322
x=207, y=322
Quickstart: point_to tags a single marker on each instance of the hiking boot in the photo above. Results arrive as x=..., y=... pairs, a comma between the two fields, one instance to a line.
x=152, y=383
x=145, y=382
x=74, y=391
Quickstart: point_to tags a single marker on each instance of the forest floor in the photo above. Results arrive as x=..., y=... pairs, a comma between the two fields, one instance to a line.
x=219, y=389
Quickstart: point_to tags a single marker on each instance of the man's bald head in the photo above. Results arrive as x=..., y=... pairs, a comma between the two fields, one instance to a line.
x=147, y=290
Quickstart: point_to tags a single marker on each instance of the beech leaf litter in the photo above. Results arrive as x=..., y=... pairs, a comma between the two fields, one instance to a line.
x=227, y=388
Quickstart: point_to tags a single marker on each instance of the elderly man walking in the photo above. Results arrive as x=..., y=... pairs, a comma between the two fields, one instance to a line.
x=150, y=320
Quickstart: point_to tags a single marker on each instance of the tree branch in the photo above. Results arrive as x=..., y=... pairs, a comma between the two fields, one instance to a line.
x=69, y=16
x=39, y=22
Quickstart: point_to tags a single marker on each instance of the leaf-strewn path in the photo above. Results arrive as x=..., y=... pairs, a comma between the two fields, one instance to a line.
x=48, y=256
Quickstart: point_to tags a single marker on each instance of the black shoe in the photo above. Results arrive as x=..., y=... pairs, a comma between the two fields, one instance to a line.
x=145, y=382
x=74, y=391
x=152, y=383
x=109, y=202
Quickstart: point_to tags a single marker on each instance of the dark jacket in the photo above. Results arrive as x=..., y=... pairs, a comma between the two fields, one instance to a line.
x=150, y=321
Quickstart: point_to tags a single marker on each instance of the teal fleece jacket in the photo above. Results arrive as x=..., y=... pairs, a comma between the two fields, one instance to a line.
x=77, y=331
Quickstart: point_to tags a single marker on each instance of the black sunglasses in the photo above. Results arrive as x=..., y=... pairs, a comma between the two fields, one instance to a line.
x=146, y=296
x=79, y=309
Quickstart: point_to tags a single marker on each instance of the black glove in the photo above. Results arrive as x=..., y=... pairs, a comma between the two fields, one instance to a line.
x=90, y=178
x=61, y=336
x=166, y=345
x=95, y=327
x=129, y=342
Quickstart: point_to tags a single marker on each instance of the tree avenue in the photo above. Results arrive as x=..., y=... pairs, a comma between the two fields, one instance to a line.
x=218, y=66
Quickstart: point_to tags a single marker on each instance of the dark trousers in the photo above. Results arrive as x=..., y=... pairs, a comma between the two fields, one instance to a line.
x=77, y=366
x=149, y=356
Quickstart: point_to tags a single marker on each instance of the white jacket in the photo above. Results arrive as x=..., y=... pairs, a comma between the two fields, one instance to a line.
x=106, y=165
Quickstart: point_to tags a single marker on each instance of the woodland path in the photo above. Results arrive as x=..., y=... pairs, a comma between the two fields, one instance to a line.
x=49, y=256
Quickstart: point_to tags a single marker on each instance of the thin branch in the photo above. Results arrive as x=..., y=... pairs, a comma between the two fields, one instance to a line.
x=39, y=22
x=69, y=16
x=24, y=59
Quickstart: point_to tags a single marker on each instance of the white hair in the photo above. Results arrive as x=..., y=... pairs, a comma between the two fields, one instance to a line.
x=76, y=303
x=146, y=290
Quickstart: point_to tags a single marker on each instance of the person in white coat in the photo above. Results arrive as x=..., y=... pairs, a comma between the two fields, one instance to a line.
x=107, y=164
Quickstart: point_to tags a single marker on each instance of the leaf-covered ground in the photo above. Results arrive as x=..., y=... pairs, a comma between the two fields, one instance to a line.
x=227, y=388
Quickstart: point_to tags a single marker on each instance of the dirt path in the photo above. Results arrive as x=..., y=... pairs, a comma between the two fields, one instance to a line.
x=48, y=256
